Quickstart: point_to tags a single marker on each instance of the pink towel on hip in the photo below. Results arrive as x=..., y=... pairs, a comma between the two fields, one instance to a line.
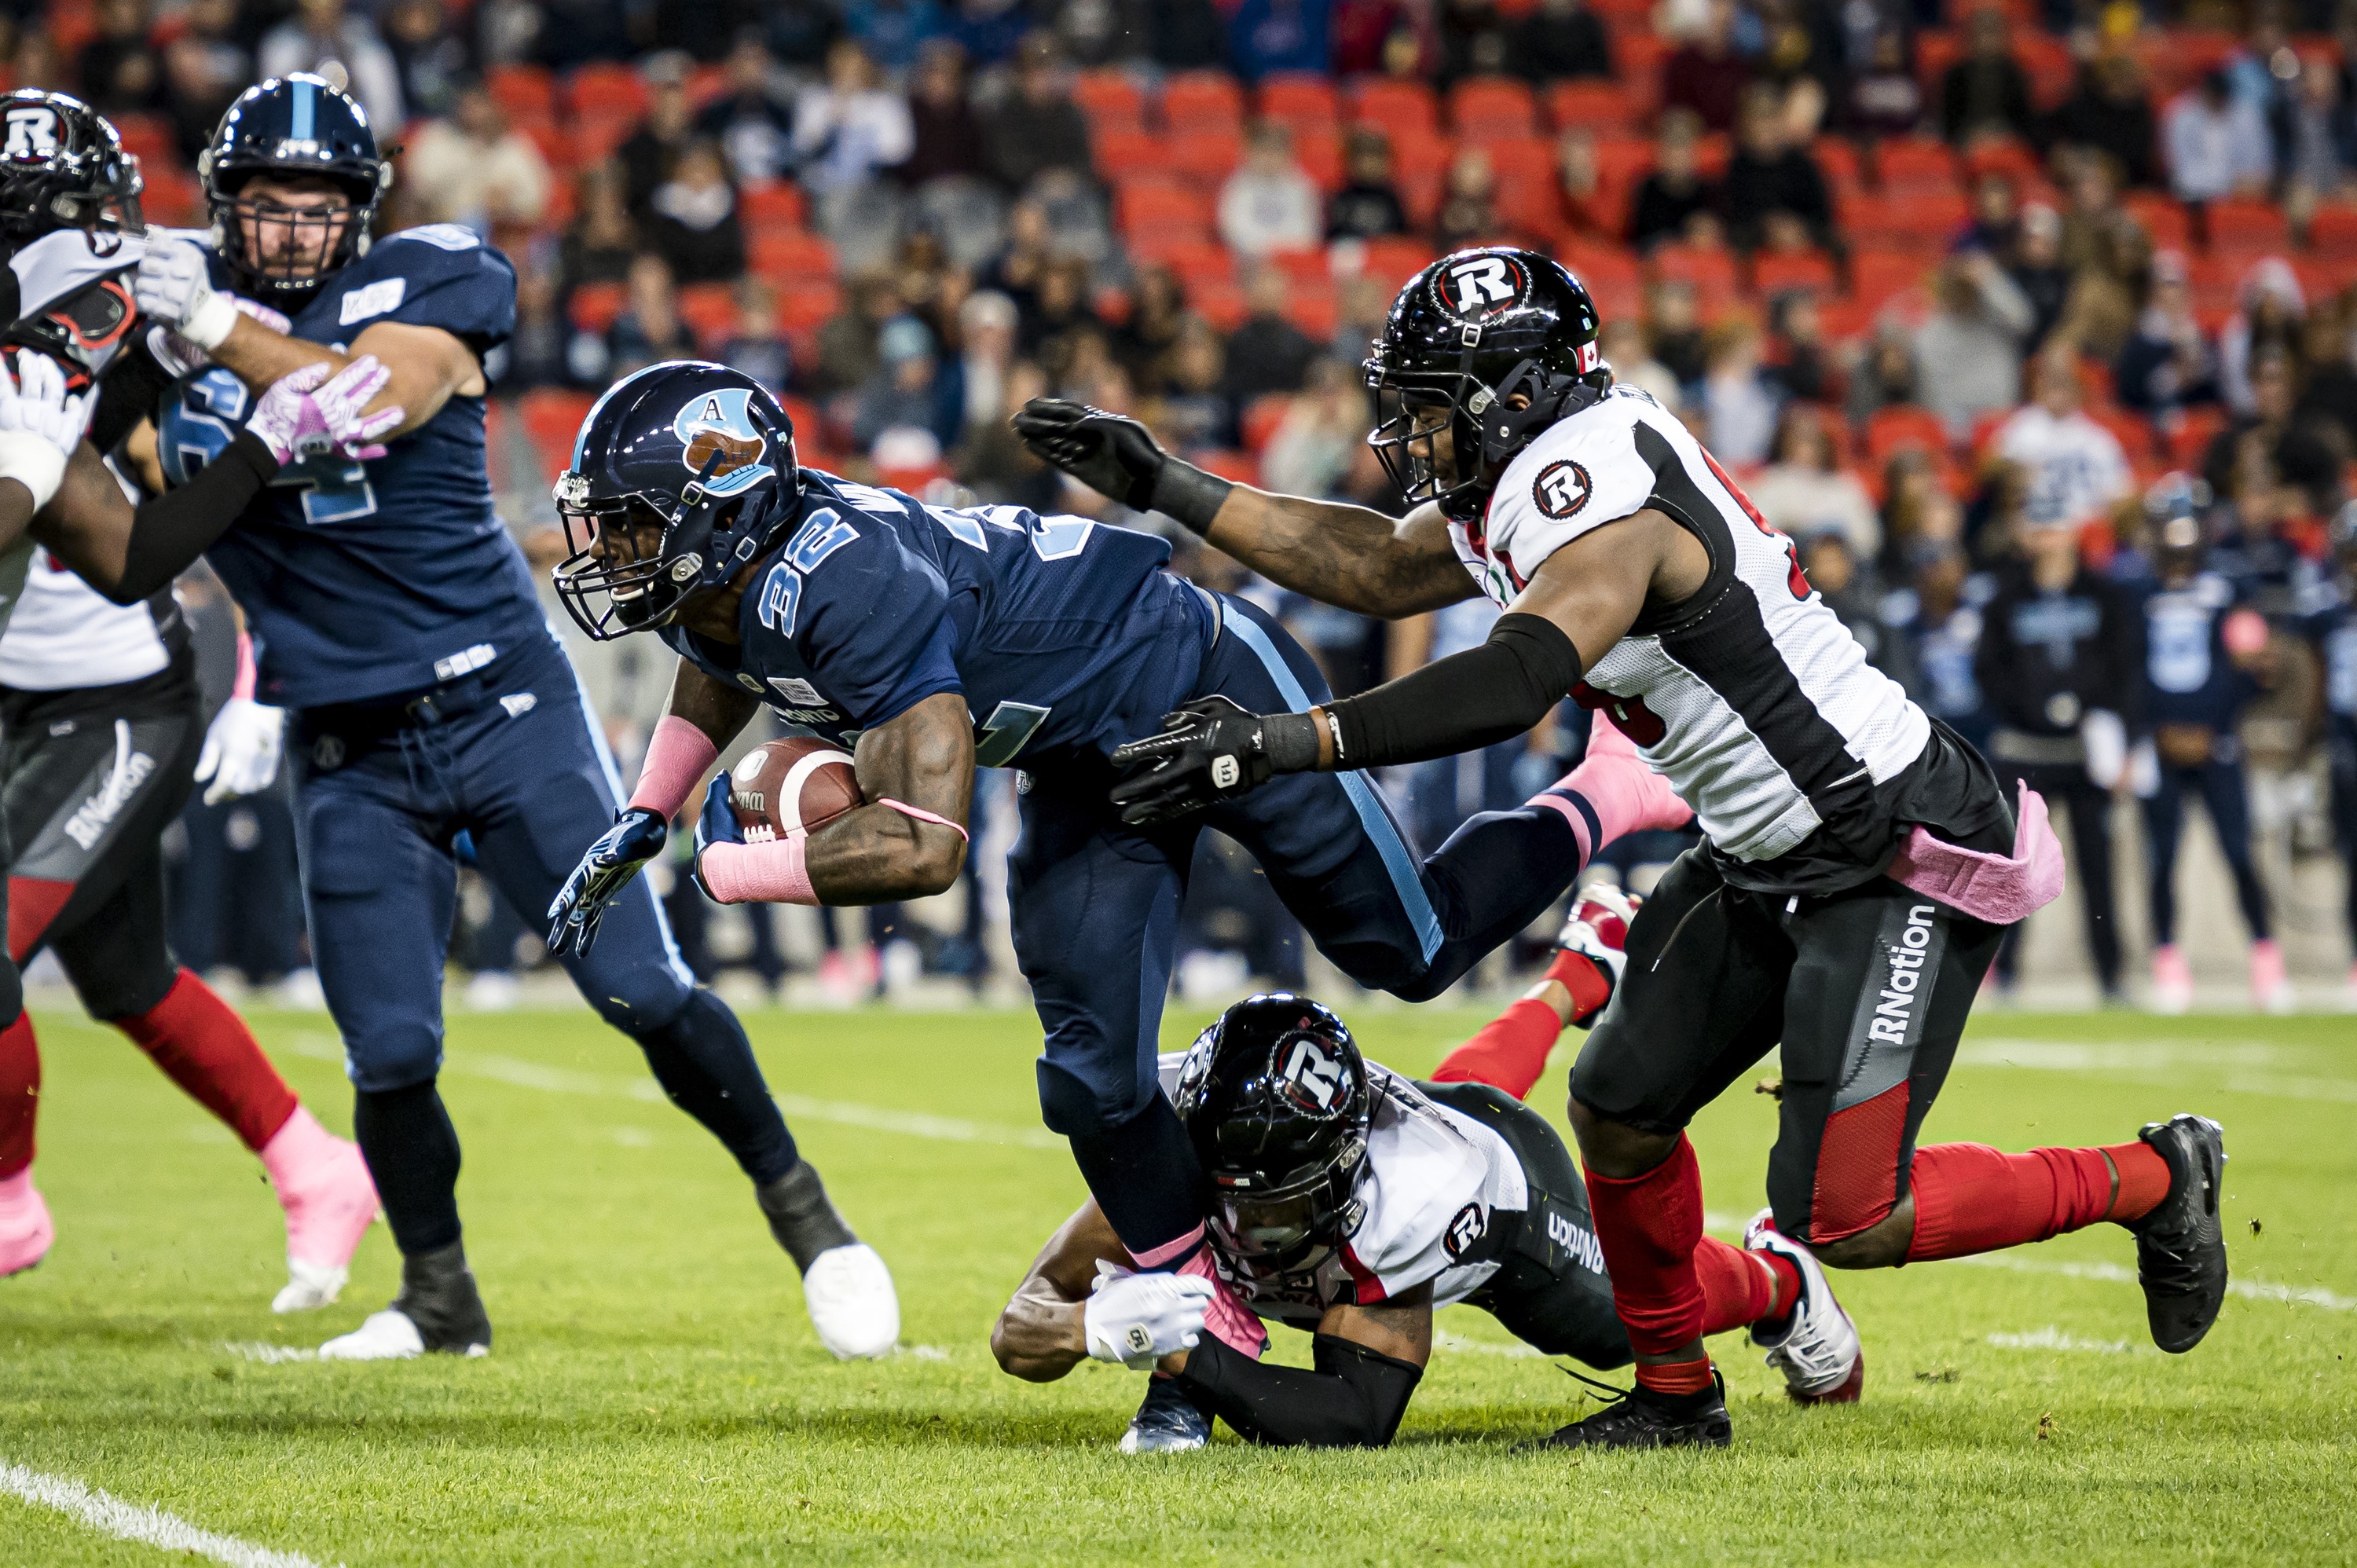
x=2000, y=889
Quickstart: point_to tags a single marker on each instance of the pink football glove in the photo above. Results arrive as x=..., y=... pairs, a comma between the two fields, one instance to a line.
x=306, y=413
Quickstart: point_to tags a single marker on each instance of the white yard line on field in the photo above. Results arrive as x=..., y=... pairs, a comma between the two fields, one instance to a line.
x=110, y=1515
x=1444, y=1340
x=2254, y=1290
x=2053, y=1338
x=267, y=1354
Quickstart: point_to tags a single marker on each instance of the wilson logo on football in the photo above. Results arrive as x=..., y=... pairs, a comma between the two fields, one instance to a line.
x=1312, y=1080
x=1481, y=287
x=719, y=424
x=1561, y=489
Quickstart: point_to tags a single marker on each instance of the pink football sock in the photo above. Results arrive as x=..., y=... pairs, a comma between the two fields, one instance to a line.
x=324, y=1187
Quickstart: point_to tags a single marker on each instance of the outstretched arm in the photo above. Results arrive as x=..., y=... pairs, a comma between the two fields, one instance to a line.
x=1338, y=554
x=1367, y=1363
x=1041, y=1336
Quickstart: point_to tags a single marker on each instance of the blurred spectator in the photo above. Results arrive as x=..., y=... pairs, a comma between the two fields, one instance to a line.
x=908, y=392
x=1061, y=313
x=1986, y=93
x=2076, y=474
x=851, y=127
x=986, y=357
x=1737, y=399
x=539, y=350
x=1560, y=39
x=1586, y=206
x=2034, y=262
x=1000, y=469
x=2168, y=364
x=1770, y=175
x=204, y=70
x=1359, y=317
x=1364, y=28
x=561, y=33
x=431, y=55
x=1885, y=99
x=801, y=32
x=1845, y=577
x=2266, y=319
x=648, y=152
x=1475, y=39
x=1800, y=363
x=1311, y=452
x=947, y=136
x=2218, y=146
x=1368, y=205
x=1094, y=32
x=2327, y=396
x=1805, y=491
x=1468, y=211
x=119, y=71
x=1024, y=261
x=693, y=224
x=1668, y=198
x=1038, y=128
x=321, y=33
x=752, y=118
x=847, y=343
x=1674, y=329
x=1186, y=35
x=988, y=30
x=1944, y=629
x=1705, y=74
x=2301, y=457
x=1278, y=35
x=1622, y=343
x=2101, y=309
x=601, y=241
x=889, y=31
x=649, y=329
x=1267, y=353
x=1269, y=204
x=1158, y=310
x=2318, y=155
x=1975, y=338
x=472, y=169
x=1885, y=376
x=1995, y=220
x=756, y=347
x=1197, y=411
x=2108, y=112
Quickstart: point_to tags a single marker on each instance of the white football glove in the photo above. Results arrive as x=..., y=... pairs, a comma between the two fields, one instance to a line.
x=241, y=751
x=175, y=286
x=180, y=358
x=40, y=426
x=1137, y=1319
x=307, y=411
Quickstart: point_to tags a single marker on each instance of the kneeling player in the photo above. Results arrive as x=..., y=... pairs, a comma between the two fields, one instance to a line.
x=1351, y=1202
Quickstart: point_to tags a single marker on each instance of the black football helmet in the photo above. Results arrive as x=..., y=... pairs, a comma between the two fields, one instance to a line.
x=1276, y=1101
x=62, y=166
x=698, y=451
x=1466, y=336
x=299, y=124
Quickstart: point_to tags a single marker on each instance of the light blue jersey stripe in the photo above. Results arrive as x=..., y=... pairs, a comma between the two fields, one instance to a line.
x=1398, y=859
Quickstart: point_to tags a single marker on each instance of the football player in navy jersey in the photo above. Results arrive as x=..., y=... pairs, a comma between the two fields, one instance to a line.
x=2330, y=620
x=428, y=697
x=932, y=640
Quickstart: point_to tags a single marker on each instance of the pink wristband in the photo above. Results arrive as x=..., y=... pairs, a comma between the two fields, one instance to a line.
x=677, y=754
x=924, y=816
x=243, y=686
x=773, y=873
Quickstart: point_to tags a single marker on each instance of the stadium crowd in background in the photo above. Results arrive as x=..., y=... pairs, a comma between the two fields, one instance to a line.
x=1949, y=289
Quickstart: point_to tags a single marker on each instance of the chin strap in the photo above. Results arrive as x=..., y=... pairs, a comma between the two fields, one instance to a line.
x=1506, y=431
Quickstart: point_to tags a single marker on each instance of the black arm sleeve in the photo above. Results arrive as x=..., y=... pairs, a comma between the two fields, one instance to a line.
x=169, y=533
x=131, y=389
x=1355, y=1399
x=1464, y=701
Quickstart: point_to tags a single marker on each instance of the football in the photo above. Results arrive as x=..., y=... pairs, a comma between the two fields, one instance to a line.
x=792, y=787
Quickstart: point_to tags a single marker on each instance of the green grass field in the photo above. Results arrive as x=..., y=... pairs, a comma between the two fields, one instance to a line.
x=656, y=1394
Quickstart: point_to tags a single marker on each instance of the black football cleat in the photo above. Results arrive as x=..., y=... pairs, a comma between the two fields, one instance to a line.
x=2181, y=1245
x=1642, y=1418
x=438, y=1311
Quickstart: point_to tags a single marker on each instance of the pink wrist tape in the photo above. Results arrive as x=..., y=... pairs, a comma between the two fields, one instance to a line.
x=243, y=686
x=677, y=754
x=924, y=816
x=773, y=873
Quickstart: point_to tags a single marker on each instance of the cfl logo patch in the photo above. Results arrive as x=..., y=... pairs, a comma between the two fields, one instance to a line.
x=1226, y=771
x=1136, y=1339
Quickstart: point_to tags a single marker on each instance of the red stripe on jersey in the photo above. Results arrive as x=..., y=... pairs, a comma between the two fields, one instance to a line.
x=1370, y=1289
x=33, y=903
x=1857, y=1168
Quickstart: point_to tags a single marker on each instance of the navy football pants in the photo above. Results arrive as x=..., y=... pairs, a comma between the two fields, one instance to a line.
x=1095, y=913
x=2225, y=794
x=377, y=805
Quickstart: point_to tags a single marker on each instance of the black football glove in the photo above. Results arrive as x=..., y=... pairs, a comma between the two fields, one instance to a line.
x=636, y=838
x=1210, y=750
x=717, y=823
x=1112, y=455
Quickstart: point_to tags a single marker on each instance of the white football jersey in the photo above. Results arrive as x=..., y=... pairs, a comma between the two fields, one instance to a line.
x=2075, y=468
x=1432, y=1180
x=1751, y=698
x=65, y=636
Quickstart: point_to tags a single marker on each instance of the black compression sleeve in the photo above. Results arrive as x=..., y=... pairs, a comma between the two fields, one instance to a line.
x=1463, y=702
x=169, y=533
x=131, y=389
x=1355, y=1399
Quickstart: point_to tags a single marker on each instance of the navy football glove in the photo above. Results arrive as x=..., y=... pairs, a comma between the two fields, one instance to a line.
x=636, y=838
x=717, y=823
x=1210, y=750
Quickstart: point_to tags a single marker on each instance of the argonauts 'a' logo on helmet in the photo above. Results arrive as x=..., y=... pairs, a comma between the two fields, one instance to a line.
x=719, y=421
x=1317, y=1082
x=1480, y=287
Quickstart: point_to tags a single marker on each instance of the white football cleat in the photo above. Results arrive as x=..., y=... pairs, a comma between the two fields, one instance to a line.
x=387, y=1336
x=309, y=1287
x=852, y=1304
x=1818, y=1351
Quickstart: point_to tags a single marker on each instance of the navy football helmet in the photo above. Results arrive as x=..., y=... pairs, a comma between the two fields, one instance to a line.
x=1466, y=336
x=683, y=475
x=62, y=166
x=299, y=124
x=1276, y=1101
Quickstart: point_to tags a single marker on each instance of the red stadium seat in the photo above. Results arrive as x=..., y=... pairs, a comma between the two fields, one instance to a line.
x=1261, y=418
x=1319, y=150
x=1623, y=161
x=1711, y=272
x=147, y=138
x=1235, y=467
x=1986, y=425
x=1193, y=259
x=2048, y=61
x=2188, y=443
x=777, y=205
x=2163, y=217
x=1206, y=157
x=1606, y=108
x=1876, y=276
x=2245, y=227
x=2333, y=231
x=1121, y=154
x=2015, y=160
x=1936, y=51
x=805, y=304
x=1837, y=155
x=2133, y=432
x=552, y=419
x=1396, y=258
x=1202, y=101
x=1892, y=429
x=709, y=309
x=594, y=305
x=607, y=92
x=1304, y=269
x=1922, y=223
x=1221, y=303
x=1611, y=274
x=1911, y=165
x=789, y=252
x=1299, y=99
x=1161, y=207
x=1400, y=108
x=523, y=90
x=1489, y=107
x=1523, y=168
x=1109, y=99
x=1315, y=310
x=1806, y=271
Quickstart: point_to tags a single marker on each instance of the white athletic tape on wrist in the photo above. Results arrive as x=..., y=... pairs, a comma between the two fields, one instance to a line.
x=209, y=325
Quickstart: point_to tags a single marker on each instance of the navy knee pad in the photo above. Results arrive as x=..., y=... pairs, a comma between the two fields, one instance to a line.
x=1081, y=1107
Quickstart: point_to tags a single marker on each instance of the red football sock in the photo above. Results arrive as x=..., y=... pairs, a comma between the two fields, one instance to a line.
x=1577, y=973
x=1511, y=1051
x=1649, y=1228
x=208, y=1050
x=1971, y=1198
x=20, y=1094
x=1739, y=1288
x=1690, y=1377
